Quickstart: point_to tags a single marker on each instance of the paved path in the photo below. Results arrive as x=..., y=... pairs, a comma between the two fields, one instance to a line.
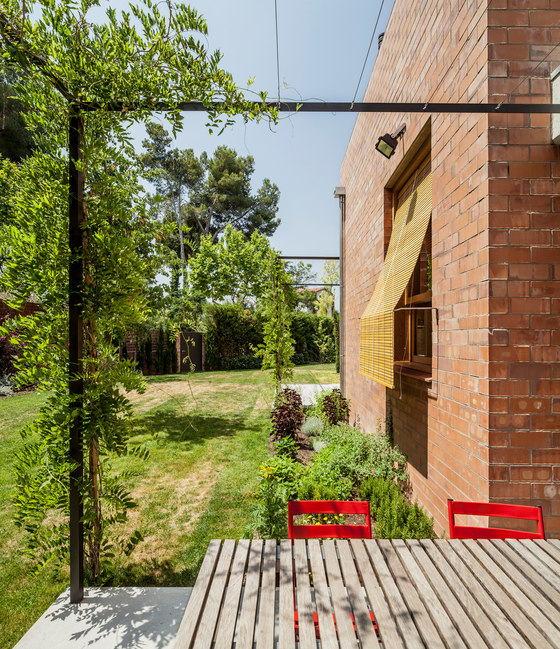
x=110, y=618
x=310, y=391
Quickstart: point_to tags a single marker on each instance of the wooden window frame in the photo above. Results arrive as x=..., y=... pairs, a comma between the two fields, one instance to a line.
x=410, y=363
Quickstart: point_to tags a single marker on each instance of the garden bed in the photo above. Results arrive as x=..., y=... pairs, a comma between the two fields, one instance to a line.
x=318, y=455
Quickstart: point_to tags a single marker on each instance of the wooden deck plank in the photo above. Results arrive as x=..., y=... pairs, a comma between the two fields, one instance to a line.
x=485, y=614
x=521, y=562
x=420, y=615
x=267, y=602
x=468, y=617
x=341, y=605
x=304, y=604
x=430, y=599
x=401, y=614
x=193, y=612
x=385, y=623
x=497, y=567
x=323, y=602
x=550, y=567
x=248, y=614
x=500, y=594
x=362, y=618
x=286, y=628
x=550, y=549
x=228, y=617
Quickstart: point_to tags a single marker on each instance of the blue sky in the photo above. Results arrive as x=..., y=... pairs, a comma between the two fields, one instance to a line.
x=322, y=45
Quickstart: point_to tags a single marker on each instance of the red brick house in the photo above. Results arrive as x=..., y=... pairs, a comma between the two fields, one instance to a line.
x=451, y=256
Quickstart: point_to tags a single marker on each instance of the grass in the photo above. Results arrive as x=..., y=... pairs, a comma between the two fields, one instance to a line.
x=207, y=438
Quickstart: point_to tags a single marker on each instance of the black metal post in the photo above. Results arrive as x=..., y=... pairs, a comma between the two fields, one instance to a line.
x=75, y=381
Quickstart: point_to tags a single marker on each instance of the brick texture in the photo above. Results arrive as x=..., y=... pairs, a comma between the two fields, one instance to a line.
x=487, y=427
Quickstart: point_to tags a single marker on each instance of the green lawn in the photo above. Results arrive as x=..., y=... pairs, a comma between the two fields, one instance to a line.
x=207, y=438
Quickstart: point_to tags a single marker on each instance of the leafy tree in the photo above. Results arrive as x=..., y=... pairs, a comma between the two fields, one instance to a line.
x=278, y=347
x=233, y=267
x=69, y=65
x=218, y=187
x=224, y=197
x=301, y=273
x=173, y=172
x=16, y=141
x=330, y=275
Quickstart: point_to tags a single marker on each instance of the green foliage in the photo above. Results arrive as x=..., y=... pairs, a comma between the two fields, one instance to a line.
x=356, y=455
x=67, y=64
x=395, y=517
x=232, y=333
x=312, y=426
x=279, y=481
x=16, y=142
x=222, y=197
x=286, y=414
x=319, y=484
x=331, y=407
x=334, y=407
x=314, y=339
x=336, y=335
x=286, y=446
x=234, y=267
x=278, y=346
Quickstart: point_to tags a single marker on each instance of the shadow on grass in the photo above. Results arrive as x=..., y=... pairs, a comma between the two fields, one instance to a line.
x=168, y=378
x=190, y=428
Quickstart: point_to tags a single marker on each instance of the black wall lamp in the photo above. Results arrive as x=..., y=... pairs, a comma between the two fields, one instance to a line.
x=388, y=143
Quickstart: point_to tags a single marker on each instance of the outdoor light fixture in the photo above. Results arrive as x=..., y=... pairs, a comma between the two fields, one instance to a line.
x=388, y=143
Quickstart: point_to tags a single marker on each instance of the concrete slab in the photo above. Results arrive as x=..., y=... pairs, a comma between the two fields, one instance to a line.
x=111, y=618
x=310, y=391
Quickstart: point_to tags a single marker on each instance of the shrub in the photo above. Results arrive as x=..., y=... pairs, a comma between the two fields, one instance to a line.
x=352, y=453
x=336, y=408
x=314, y=338
x=395, y=517
x=332, y=407
x=312, y=426
x=286, y=446
x=231, y=335
x=10, y=347
x=315, y=485
x=299, y=359
x=280, y=477
x=287, y=414
x=243, y=362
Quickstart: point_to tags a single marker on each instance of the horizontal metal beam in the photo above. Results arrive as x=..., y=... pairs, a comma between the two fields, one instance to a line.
x=337, y=107
x=316, y=258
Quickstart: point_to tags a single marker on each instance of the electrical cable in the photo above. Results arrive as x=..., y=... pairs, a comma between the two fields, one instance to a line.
x=369, y=49
x=509, y=94
x=277, y=49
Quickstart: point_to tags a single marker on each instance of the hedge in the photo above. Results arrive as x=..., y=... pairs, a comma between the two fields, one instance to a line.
x=233, y=334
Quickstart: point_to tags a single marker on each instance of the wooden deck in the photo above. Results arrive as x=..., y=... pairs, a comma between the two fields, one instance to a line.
x=443, y=594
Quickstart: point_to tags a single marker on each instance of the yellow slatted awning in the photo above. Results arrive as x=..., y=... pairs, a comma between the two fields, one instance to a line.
x=412, y=217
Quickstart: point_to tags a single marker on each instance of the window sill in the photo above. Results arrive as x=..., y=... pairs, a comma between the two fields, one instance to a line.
x=414, y=370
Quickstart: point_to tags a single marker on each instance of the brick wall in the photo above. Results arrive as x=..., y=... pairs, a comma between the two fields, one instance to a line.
x=493, y=268
x=524, y=261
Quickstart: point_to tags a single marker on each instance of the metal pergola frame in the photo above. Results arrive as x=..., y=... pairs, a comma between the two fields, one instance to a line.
x=75, y=270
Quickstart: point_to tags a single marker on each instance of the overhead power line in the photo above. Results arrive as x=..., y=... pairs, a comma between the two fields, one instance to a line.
x=277, y=48
x=369, y=49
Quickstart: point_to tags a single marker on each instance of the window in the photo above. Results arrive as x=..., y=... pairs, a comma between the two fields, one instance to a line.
x=403, y=337
x=413, y=343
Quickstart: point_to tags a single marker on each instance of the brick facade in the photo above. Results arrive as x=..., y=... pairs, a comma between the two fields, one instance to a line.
x=488, y=427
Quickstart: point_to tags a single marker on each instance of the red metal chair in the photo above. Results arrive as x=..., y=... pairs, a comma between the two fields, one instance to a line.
x=329, y=530
x=522, y=512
